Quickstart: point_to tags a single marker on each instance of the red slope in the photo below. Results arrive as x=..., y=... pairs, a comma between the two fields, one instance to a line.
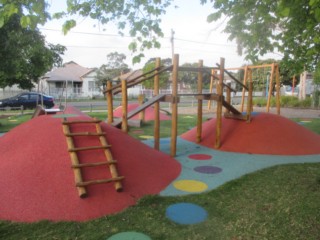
x=149, y=112
x=266, y=134
x=36, y=181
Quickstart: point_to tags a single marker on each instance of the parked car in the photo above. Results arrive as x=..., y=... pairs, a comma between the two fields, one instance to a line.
x=27, y=100
x=287, y=91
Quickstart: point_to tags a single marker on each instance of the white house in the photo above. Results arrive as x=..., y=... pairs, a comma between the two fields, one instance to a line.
x=71, y=81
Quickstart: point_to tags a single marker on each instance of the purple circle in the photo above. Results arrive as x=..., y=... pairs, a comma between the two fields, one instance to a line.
x=208, y=169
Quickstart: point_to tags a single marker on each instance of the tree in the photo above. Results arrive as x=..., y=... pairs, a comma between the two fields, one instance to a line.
x=288, y=26
x=140, y=17
x=31, y=12
x=115, y=67
x=190, y=79
x=259, y=27
x=163, y=78
x=25, y=55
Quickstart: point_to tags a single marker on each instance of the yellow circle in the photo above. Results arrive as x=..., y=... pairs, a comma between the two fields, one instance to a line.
x=145, y=136
x=190, y=186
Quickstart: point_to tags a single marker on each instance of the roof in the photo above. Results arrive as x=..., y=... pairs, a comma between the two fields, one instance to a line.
x=70, y=71
x=130, y=75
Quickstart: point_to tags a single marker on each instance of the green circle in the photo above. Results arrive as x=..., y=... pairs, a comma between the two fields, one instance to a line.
x=129, y=236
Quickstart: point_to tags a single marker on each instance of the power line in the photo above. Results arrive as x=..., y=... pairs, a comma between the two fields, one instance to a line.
x=87, y=33
x=126, y=36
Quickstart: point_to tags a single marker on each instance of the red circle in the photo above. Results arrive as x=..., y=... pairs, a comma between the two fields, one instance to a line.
x=200, y=156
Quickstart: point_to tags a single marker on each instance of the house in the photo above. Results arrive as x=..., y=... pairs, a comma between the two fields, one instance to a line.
x=71, y=80
x=135, y=90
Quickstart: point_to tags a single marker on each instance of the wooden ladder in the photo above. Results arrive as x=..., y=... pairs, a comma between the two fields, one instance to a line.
x=77, y=166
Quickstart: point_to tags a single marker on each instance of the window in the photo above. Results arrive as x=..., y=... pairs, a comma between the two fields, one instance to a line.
x=91, y=86
x=60, y=84
x=34, y=97
x=24, y=96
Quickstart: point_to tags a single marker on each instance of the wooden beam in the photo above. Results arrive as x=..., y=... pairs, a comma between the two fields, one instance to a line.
x=109, y=102
x=199, y=109
x=75, y=161
x=211, y=87
x=174, y=106
x=219, y=105
x=156, y=92
x=124, y=125
x=233, y=78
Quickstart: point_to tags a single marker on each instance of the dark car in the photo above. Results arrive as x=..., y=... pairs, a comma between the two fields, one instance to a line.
x=27, y=100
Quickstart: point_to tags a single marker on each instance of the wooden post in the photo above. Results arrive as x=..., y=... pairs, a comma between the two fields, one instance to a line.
x=211, y=87
x=228, y=97
x=270, y=85
x=278, y=89
x=174, y=105
x=124, y=125
x=246, y=69
x=142, y=113
x=249, y=100
x=157, y=108
x=199, y=118
x=219, y=105
x=109, y=102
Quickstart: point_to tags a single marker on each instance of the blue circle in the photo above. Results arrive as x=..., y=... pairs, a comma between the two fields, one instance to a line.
x=252, y=113
x=186, y=213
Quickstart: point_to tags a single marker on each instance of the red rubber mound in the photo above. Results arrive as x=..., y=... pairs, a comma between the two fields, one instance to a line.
x=37, y=182
x=149, y=112
x=266, y=134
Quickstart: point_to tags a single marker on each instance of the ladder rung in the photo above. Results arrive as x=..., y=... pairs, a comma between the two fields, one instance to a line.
x=87, y=183
x=85, y=134
x=93, y=164
x=81, y=121
x=88, y=148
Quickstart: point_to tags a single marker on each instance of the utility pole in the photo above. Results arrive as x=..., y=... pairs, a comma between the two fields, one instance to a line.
x=172, y=43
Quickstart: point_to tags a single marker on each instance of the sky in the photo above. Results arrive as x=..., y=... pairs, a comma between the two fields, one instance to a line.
x=88, y=44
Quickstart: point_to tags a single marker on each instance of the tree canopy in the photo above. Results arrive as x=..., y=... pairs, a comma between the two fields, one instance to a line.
x=141, y=18
x=25, y=54
x=290, y=27
x=114, y=67
x=163, y=78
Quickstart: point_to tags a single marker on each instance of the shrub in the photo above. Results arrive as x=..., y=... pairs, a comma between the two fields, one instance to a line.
x=316, y=98
x=260, y=102
x=285, y=101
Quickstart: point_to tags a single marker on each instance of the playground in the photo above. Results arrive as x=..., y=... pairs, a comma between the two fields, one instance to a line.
x=41, y=179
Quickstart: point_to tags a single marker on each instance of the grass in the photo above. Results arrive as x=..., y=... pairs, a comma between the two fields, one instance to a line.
x=281, y=202
x=311, y=124
x=9, y=122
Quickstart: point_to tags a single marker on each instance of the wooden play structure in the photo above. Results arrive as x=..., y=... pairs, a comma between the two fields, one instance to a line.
x=79, y=167
x=222, y=97
x=274, y=79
